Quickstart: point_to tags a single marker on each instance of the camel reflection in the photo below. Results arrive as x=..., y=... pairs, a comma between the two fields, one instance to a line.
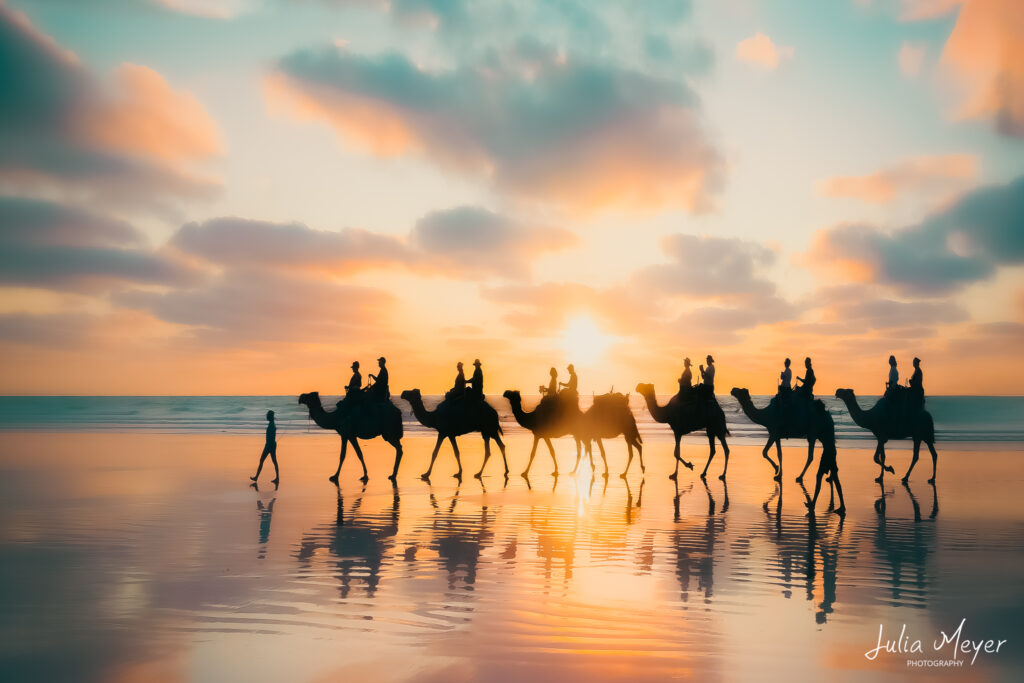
x=458, y=540
x=358, y=542
x=905, y=547
x=695, y=546
x=801, y=542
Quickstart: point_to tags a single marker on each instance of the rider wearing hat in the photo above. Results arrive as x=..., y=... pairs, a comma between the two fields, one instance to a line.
x=356, y=383
x=477, y=380
x=571, y=384
x=708, y=375
x=379, y=388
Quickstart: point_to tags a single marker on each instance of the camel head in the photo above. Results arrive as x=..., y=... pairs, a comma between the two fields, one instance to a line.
x=644, y=389
x=412, y=395
x=308, y=399
x=740, y=394
x=844, y=394
x=513, y=396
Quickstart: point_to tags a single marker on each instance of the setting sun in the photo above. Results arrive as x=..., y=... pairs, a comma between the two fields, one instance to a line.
x=583, y=342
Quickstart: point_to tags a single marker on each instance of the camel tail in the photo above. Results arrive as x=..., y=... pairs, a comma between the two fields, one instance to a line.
x=501, y=431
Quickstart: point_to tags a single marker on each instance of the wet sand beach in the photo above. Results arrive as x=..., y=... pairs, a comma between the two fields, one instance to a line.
x=140, y=556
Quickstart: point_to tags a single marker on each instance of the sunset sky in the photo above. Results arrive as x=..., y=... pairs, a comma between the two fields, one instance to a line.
x=243, y=196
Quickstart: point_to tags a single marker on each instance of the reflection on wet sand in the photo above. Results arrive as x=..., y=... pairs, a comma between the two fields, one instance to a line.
x=578, y=577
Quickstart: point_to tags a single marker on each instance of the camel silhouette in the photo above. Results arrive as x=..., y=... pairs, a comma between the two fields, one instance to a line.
x=609, y=416
x=455, y=417
x=365, y=420
x=685, y=416
x=553, y=417
x=893, y=422
x=784, y=419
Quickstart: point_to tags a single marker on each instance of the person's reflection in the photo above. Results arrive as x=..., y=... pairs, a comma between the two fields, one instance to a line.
x=359, y=542
x=265, y=514
x=828, y=545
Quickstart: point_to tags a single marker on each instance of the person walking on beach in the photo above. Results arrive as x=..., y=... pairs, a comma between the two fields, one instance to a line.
x=269, y=448
x=827, y=463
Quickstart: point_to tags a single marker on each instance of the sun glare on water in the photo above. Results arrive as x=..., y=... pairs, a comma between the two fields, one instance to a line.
x=583, y=342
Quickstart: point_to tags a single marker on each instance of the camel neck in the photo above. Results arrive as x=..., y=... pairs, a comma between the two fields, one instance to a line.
x=427, y=418
x=859, y=416
x=524, y=418
x=756, y=415
x=320, y=416
x=657, y=412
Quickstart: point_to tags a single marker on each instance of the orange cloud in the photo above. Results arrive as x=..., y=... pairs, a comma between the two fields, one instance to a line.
x=149, y=118
x=983, y=57
x=759, y=50
x=985, y=53
x=925, y=175
x=367, y=124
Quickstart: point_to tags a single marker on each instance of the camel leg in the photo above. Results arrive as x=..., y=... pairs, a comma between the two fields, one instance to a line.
x=778, y=453
x=711, y=454
x=433, y=456
x=458, y=460
x=913, y=460
x=359, y=452
x=578, y=453
x=679, y=459
x=600, y=446
x=725, y=453
x=675, y=474
x=533, y=452
x=341, y=459
x=551, y=449
x=629, y=447
x=764, y=454
x=487, y=454
x=397, y=443
x=640, y=452
x=810, y=459
x=501, y=447
x=834, y=476
x=935, y=460
x=880, y=459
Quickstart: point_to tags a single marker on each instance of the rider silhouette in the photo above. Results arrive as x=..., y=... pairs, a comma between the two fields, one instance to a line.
x=808, y=379
x=379, y=388
x=572, y=383
x=708, y=375
x=355, y=384
x=476, y=382
x=460, y=383
x=686, y=379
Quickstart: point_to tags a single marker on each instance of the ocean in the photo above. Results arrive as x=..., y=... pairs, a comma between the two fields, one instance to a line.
x=969, y=419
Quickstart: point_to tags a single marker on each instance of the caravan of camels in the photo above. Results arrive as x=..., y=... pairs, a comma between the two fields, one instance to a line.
x=368, y=412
